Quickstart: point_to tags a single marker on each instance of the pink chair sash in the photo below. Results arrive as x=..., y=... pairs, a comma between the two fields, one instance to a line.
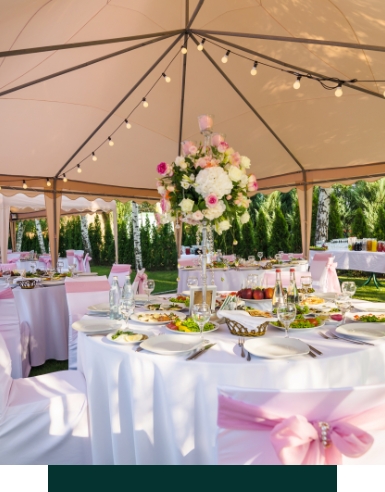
x=140, y=278
x=79, y=258
x=121, y=268
x=333, y=284
x=6, y=293
x=24, y=255
x=7, y=266
x=298, y=441
x=46, y=260
x=87, y=286
x=87, y=260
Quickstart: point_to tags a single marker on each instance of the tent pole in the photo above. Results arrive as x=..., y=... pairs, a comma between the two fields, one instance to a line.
x=250, y=106
x=12, y=228
x=284, y=64
x=133, y=88
x=57, y=47
x=83, y=65
x=195, y=13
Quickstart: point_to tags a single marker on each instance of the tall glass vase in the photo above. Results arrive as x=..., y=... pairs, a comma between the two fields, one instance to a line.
x=204, y=261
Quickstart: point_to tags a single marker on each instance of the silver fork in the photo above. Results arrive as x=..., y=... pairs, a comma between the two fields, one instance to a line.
x=241, y=343
x=333, y=337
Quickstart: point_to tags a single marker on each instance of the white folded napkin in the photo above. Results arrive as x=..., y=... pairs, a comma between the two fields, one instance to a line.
x=244, y=318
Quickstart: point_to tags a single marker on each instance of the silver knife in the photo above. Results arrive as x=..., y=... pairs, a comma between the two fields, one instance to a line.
x=200, y=352
x=358, y=342
x=99, y=333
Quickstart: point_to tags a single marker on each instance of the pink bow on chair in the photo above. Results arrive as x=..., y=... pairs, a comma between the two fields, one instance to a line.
x=140, y=278
x=300, y=442
x=13, y=260
x=87, y=260
x=79, y=258
x=333, y=284
x=46, y=260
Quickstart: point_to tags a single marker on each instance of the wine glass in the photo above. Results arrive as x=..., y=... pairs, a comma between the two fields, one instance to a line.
x=33, y=268
x=191, y=281
x=260, y=255
x=343, y=302
x=286, y=314
x=201, y=314
x=251, y=259
x=60, y=265
x=7, y=275
x=71, y=269
x=127, y=307
x=306, y=283
x=50, y=272
x=348, y=288
x=149, y=286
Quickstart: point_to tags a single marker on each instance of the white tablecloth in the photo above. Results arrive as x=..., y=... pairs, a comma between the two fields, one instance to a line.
x=45, y=310
x=152, y=409
x=231, y=279
x=365, y=261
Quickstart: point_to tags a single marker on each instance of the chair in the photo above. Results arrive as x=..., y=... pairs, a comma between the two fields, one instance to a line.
x=86, y=263
x=81, y=293
x=70, y=254
x=119, y=271
x=16, y=335
x=140, y=278
x=323, y=272
x=328, y=426
x=79, y=253
x=43, y=420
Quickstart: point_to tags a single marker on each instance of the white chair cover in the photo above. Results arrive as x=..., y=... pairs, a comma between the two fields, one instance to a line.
x=327, y=405
x=119, y=271
x=70, y=253
x=79, y=261
x=43, y=420
x=86, y=262
x=82, y=292
x=16, y=335
x=323, y=272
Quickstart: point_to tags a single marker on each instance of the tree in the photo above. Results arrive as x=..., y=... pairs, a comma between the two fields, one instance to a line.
x=314, y=215
x=261, y=235
x=62, y=243
x=279, y=239
x=296, y=237
x=359, y=228
x=19, y=234
x=321, y=234
x=335, y=225
x=108, y=252
x=248, y=239
x=145, y=244
x=122, y=242
x=84, y=234
x=39, y=235
x=379, y=228
x=95, y=234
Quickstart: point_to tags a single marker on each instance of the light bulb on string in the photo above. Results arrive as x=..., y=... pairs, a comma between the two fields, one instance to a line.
x=48, y=182
x=338, y=92
x=128, y=125
x=79, y=169
x=94, y=158
x=384, y=94
x=253, y=71
x=166, y=78
x=25, y=186
x=183, y=50
x=65, y=179
x=145, y=103
x=200, y=46
x=225, y=57
x=297, y=83
x=110, y=142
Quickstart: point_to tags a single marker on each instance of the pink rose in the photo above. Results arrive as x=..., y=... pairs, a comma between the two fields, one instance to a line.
x=235, y=159
x=193, y=149
x=252, y=184
x=166, y=205
x=164, y=168
x=211, y=200
x=228, y=197
x=159, y=183
x=217, y=139
x=223, y=146
x=197, y=216
x=202, y=162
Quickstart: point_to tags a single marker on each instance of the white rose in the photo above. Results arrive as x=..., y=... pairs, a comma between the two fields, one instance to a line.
x=185, y=185
x=244, y=181
x=197, y=215
x=235, y=174
x=244, y=218
x=170, y=188
x=229, y=151
x=215, y=212
x=161, y=190
x=186, y=205
x=179, y=161
x=245, y=162
x=158, y=208
x=221, y=226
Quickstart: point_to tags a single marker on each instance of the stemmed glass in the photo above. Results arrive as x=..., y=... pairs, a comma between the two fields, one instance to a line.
x=71, y=269
x=343, y=302
x=191, y=281
x=306, y=285
x=51, y=272
x=286, y=314
x=251, y=259
x=60, y=265
x=348, y=288
x=201, y=314
x=127, y=307
x=149, y=286
x=260, y=256
x=33, y=268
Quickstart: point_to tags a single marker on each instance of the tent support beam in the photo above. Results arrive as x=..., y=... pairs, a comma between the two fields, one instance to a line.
x=288, y=65
x=195, y=13
x=251, y=107
x=288, y=39
x=97, y=42
x=183, y=86
x=133, y=88
x=83, y=65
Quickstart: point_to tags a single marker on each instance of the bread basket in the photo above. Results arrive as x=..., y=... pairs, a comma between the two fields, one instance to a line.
x=239, y=330
x=27, y=284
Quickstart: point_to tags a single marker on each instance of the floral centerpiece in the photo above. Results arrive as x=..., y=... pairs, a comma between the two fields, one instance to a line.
x=209, y=182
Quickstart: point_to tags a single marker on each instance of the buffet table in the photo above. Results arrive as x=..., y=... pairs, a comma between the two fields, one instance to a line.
x=365, y=261
x=152, y=409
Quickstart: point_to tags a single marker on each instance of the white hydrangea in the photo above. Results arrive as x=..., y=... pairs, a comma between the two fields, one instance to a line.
x=213, y=180
x=244, y=218
x=235, y=174
x=215, y=212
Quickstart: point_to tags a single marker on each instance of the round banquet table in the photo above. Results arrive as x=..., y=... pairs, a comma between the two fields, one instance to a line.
x=152, y=409
x=230, y=279
x=46, y=312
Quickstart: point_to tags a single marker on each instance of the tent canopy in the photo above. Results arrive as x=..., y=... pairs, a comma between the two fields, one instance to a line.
x=72, y=72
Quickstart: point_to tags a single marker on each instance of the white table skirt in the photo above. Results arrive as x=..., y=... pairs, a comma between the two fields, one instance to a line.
x=152, y=409
x=365, y=261
x=230, y=280
x=46, y=312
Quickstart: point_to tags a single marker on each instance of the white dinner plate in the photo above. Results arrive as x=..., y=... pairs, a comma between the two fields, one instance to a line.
x=375, y=306
x=191, y=332
x=276, y=347
x=121, y=341
x=144, y=298
x=97, y=325
x=86, y=274
x=135, y=317
x=362, y=330
x=171, y=344
x=350, y=316
x=103, y=307
x=298, y=329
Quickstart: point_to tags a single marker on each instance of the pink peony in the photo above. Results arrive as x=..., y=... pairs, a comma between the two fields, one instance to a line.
x=252, y=185
x=211, y=200
x=164, y=168
x=223, y=146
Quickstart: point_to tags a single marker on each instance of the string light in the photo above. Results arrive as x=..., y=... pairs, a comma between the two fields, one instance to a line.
x=166, y=78
x=297, y=83
x=65, y=178
x=128, y=125
x=225, y=57
x=253, y=71
x=338, y=92
x=25, y=186
x=48, y=182
x=145, y=103
x=110, y=142
x=79, y=169
x=94, y=158
x=183, y=50
x=200, y=46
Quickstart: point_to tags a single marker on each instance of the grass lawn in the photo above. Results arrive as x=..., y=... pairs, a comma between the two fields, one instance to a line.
x=367, y=293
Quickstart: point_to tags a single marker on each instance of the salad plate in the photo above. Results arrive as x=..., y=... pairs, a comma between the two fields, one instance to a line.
x=376, y=307
x=305, y=321
x=128, y=337
x=86, y=274
x=370, y=331
x=171, y=344
x=95, y=325
x=174, y=328
x=276, y=347
x=156, y=318
x=103, y=307
x=51, y=283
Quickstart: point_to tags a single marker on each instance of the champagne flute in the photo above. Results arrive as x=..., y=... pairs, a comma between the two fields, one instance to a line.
x=343, y=302
x=348, y=288
x=201, y=314
x=127, y=307
x=286, y=314
x=59, y=265
x=260, y=256
x=191, y=281
x=149, y=286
